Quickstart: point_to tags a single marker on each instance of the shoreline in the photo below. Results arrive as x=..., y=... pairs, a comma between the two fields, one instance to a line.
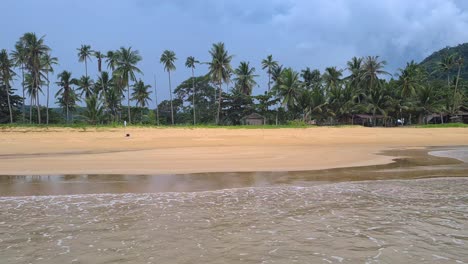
x=154, y=151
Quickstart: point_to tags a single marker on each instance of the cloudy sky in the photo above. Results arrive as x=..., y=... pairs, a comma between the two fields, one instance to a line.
x=299, y=33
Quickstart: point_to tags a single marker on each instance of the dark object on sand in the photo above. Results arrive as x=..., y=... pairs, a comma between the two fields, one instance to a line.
x=128, y=135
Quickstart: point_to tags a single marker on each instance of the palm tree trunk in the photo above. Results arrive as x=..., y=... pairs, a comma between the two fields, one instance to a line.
x=9, y=103
x=170, y=93
x=128, y=104
x=67, y=113
x=30, y=110
x=456, y=86
x=23, y=107
x=156, y=101
x=193, y=87
x=38, y=107
x=219, y=102
x=86, y=67
x=47, y=104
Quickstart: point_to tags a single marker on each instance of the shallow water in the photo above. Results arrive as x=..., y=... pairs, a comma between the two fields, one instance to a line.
x=301, y=217
x=400, y=221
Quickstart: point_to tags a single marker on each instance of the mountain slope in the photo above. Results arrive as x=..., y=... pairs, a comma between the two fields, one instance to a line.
x=430, y=63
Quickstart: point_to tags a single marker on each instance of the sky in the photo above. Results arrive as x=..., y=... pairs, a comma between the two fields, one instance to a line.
x=298, y=33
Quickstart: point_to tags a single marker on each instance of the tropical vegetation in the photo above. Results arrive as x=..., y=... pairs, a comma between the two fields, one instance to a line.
x=364, y=92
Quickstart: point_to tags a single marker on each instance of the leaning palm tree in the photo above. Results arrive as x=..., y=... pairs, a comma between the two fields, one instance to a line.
x=220, y=70
x=126, y=61
x=269, y=64
x=244, y=80
x=19, y=57
x=48, y=61
x=84, y=54
x=167, y=58
x=35, y=50
x=6, y=76
x=190, y=63
x=66, y=95
x=288, y=87
x=141, y=95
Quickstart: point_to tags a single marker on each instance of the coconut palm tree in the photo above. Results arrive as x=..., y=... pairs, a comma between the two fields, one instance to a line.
x=33, y=90
x=47, y=66
x=84, y=54
x=126, y=68
x=141, y=95
x=354, y=66
x=269, y=64
x=93, y=110
x=245, y=78
x=167, y=59
x=332, y=77
x=86, y=86
x=446, y=65
x=459, y=62
x=35, y=50
x=6, y=76
x=371, y=69
x=410, y=79
x=111, y=60
x=66, y=95
x=19, y=57
x=99, y=56
x=220, y=70
x=190, y=63
x=288, y=87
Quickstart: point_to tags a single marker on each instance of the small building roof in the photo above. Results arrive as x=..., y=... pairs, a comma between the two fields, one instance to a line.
x=366, y=116
x=254, y=116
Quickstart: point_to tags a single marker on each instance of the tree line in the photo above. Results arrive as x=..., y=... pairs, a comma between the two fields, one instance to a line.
x=224, y=95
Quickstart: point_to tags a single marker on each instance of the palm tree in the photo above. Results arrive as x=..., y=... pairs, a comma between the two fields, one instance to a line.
x=19, y=57
x=99, y=56
x=220, y=70
x=354, y=66
x=35, y=50
x=332, y=77
x=141, y=95
x=127, y=60
x=410, y=79
x=103, y=85
x=66, y=95
x=84, y=54
x=446, y=65
x=245, y=78
x=86, y=86
x=459, y=62
x=167, y=58
x=6, y=76
x=288, y=87
x=111, y=60
x=93, y=111
x=269, y=64
x=48, y=62
x=33, y=89
x=371, y=69
x=190, y=63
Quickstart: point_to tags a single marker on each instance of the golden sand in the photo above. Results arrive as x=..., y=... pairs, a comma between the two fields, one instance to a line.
x=181, y=150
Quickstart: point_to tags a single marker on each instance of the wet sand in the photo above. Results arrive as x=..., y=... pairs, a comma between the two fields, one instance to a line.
x=150, y=151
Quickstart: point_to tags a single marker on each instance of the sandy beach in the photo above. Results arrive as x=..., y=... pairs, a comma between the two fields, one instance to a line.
x=52, y=151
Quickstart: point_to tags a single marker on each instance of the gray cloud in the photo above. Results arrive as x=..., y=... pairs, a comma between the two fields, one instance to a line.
x=298, y=33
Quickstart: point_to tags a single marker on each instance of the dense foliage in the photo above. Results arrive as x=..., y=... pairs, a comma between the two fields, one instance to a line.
x=362, y=93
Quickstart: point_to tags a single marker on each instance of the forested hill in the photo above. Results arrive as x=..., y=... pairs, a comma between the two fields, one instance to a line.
x=431, y=63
